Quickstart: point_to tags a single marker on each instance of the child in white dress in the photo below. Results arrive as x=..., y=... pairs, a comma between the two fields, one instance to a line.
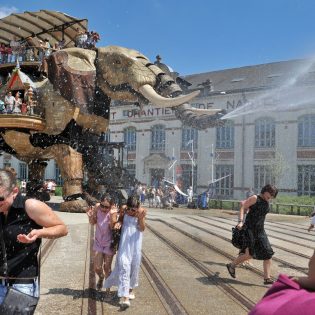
x=126, y=272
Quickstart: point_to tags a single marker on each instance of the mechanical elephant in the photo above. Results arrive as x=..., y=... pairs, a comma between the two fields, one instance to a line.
x=75, y=101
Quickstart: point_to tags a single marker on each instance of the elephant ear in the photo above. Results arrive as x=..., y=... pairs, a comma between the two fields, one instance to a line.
x=72, y=72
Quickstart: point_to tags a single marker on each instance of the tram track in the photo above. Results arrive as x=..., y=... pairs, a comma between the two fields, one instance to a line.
x=167, y=297
x=273, y=245
x=245, y=302
x=279, y=260
x=268, y=229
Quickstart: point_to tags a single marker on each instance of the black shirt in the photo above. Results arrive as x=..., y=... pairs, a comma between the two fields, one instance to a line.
x=22, y=258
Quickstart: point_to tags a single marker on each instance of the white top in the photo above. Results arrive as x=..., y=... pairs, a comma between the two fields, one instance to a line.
x=313, y=220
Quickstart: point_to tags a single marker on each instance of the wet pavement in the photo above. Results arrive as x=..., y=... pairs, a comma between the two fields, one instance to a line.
x=183, y=268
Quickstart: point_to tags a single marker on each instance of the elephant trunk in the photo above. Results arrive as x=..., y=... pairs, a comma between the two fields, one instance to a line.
x=190, y=116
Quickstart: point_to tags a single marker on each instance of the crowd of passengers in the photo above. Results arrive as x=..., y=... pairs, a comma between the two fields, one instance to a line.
x=15, y=104
x=34, y=49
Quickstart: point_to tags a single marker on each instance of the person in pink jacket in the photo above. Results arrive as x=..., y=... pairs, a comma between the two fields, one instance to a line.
x=104, y=216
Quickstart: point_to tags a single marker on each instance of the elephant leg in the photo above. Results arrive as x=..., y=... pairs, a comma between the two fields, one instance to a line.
x=36, y=175
x=70, y=164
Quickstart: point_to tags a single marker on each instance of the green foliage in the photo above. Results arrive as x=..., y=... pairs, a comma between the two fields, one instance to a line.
x=58, y=191
x=283, y=204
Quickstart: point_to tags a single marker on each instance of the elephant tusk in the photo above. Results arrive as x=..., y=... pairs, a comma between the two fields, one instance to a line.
x=149, y=93
x=200, y=111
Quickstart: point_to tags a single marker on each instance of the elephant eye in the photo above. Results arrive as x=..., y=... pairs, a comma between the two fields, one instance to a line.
x=117, y=62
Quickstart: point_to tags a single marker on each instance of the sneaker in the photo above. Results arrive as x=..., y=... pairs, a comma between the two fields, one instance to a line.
x=124, y=304
x=132, y=296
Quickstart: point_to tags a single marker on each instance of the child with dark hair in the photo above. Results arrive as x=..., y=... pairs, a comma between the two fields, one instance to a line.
x=126, y=272
x=104, y=216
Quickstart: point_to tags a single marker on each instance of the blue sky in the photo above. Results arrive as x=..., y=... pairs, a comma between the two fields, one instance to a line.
x=195, y=36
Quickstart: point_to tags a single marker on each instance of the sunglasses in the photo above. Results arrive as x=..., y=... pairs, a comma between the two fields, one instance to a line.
x=104, y=207
x=132, y=209
x=2, y=198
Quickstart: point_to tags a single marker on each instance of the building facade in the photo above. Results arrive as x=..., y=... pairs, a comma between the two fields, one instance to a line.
x=270, y=139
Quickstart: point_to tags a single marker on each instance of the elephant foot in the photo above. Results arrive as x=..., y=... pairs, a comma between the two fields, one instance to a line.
x=74, y=206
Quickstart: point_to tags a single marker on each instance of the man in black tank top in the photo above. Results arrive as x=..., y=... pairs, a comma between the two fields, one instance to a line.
x=24, y=222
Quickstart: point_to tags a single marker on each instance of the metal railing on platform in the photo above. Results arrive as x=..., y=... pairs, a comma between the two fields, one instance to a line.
x=280, y=208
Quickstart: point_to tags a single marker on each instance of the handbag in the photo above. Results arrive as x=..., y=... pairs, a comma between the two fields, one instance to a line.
x=16, y=302
x=285, y=297
x=116, y=233
x=239, y=237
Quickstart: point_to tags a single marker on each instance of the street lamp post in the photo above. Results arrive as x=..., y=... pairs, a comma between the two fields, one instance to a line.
x=212, y=163
x=192, y=163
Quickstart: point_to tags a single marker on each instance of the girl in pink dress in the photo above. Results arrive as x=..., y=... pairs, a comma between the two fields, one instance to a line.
x=104, y=216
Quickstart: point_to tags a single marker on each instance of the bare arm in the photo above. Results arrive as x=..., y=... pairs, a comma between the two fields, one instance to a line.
x=92, y=214
x=113, y=217
x=245, y=205
x=309, y=281
x=141, y=218
x=43, y=215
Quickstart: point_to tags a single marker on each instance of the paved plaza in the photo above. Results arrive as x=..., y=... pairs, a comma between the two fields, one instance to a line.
x=183, y=267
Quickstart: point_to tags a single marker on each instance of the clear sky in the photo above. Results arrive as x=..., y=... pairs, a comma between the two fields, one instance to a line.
x=195, y=36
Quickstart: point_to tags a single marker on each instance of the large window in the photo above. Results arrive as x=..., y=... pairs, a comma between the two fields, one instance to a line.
x=265, y=132
x=262, y=176
x=306, y=131
x=187, y=175
x=106, y=136
x=225, y=136
x=130, y=138
x=131, y=168
x=158, y=138
x=23, y=170
x=306, y=180
x=189, y=135
x=224, y=187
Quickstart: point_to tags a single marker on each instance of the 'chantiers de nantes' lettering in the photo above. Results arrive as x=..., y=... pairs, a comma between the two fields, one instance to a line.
x=154, y=112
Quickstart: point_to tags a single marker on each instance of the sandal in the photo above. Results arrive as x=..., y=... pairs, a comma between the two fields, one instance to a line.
x=268, y=281
x=231, y=270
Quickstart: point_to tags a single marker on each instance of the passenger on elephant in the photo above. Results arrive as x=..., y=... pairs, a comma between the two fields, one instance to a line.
x=2, y=53
x=104, y=216
x=9, y=102
x=15, y=46
x=24, y=222
x=17, y=104
x=47, y=48
x=8, y=53
x=81, y=38
x=2, y=107
x=126, y=272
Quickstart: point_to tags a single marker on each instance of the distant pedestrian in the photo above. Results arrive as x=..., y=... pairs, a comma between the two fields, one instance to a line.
x=126, y=272
x=190, y=194
x=104, y=216
x=258, y=246
x=312, y=224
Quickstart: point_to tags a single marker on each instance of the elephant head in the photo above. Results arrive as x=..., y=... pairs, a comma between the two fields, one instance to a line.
x=125, y=75
x=128, y=75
